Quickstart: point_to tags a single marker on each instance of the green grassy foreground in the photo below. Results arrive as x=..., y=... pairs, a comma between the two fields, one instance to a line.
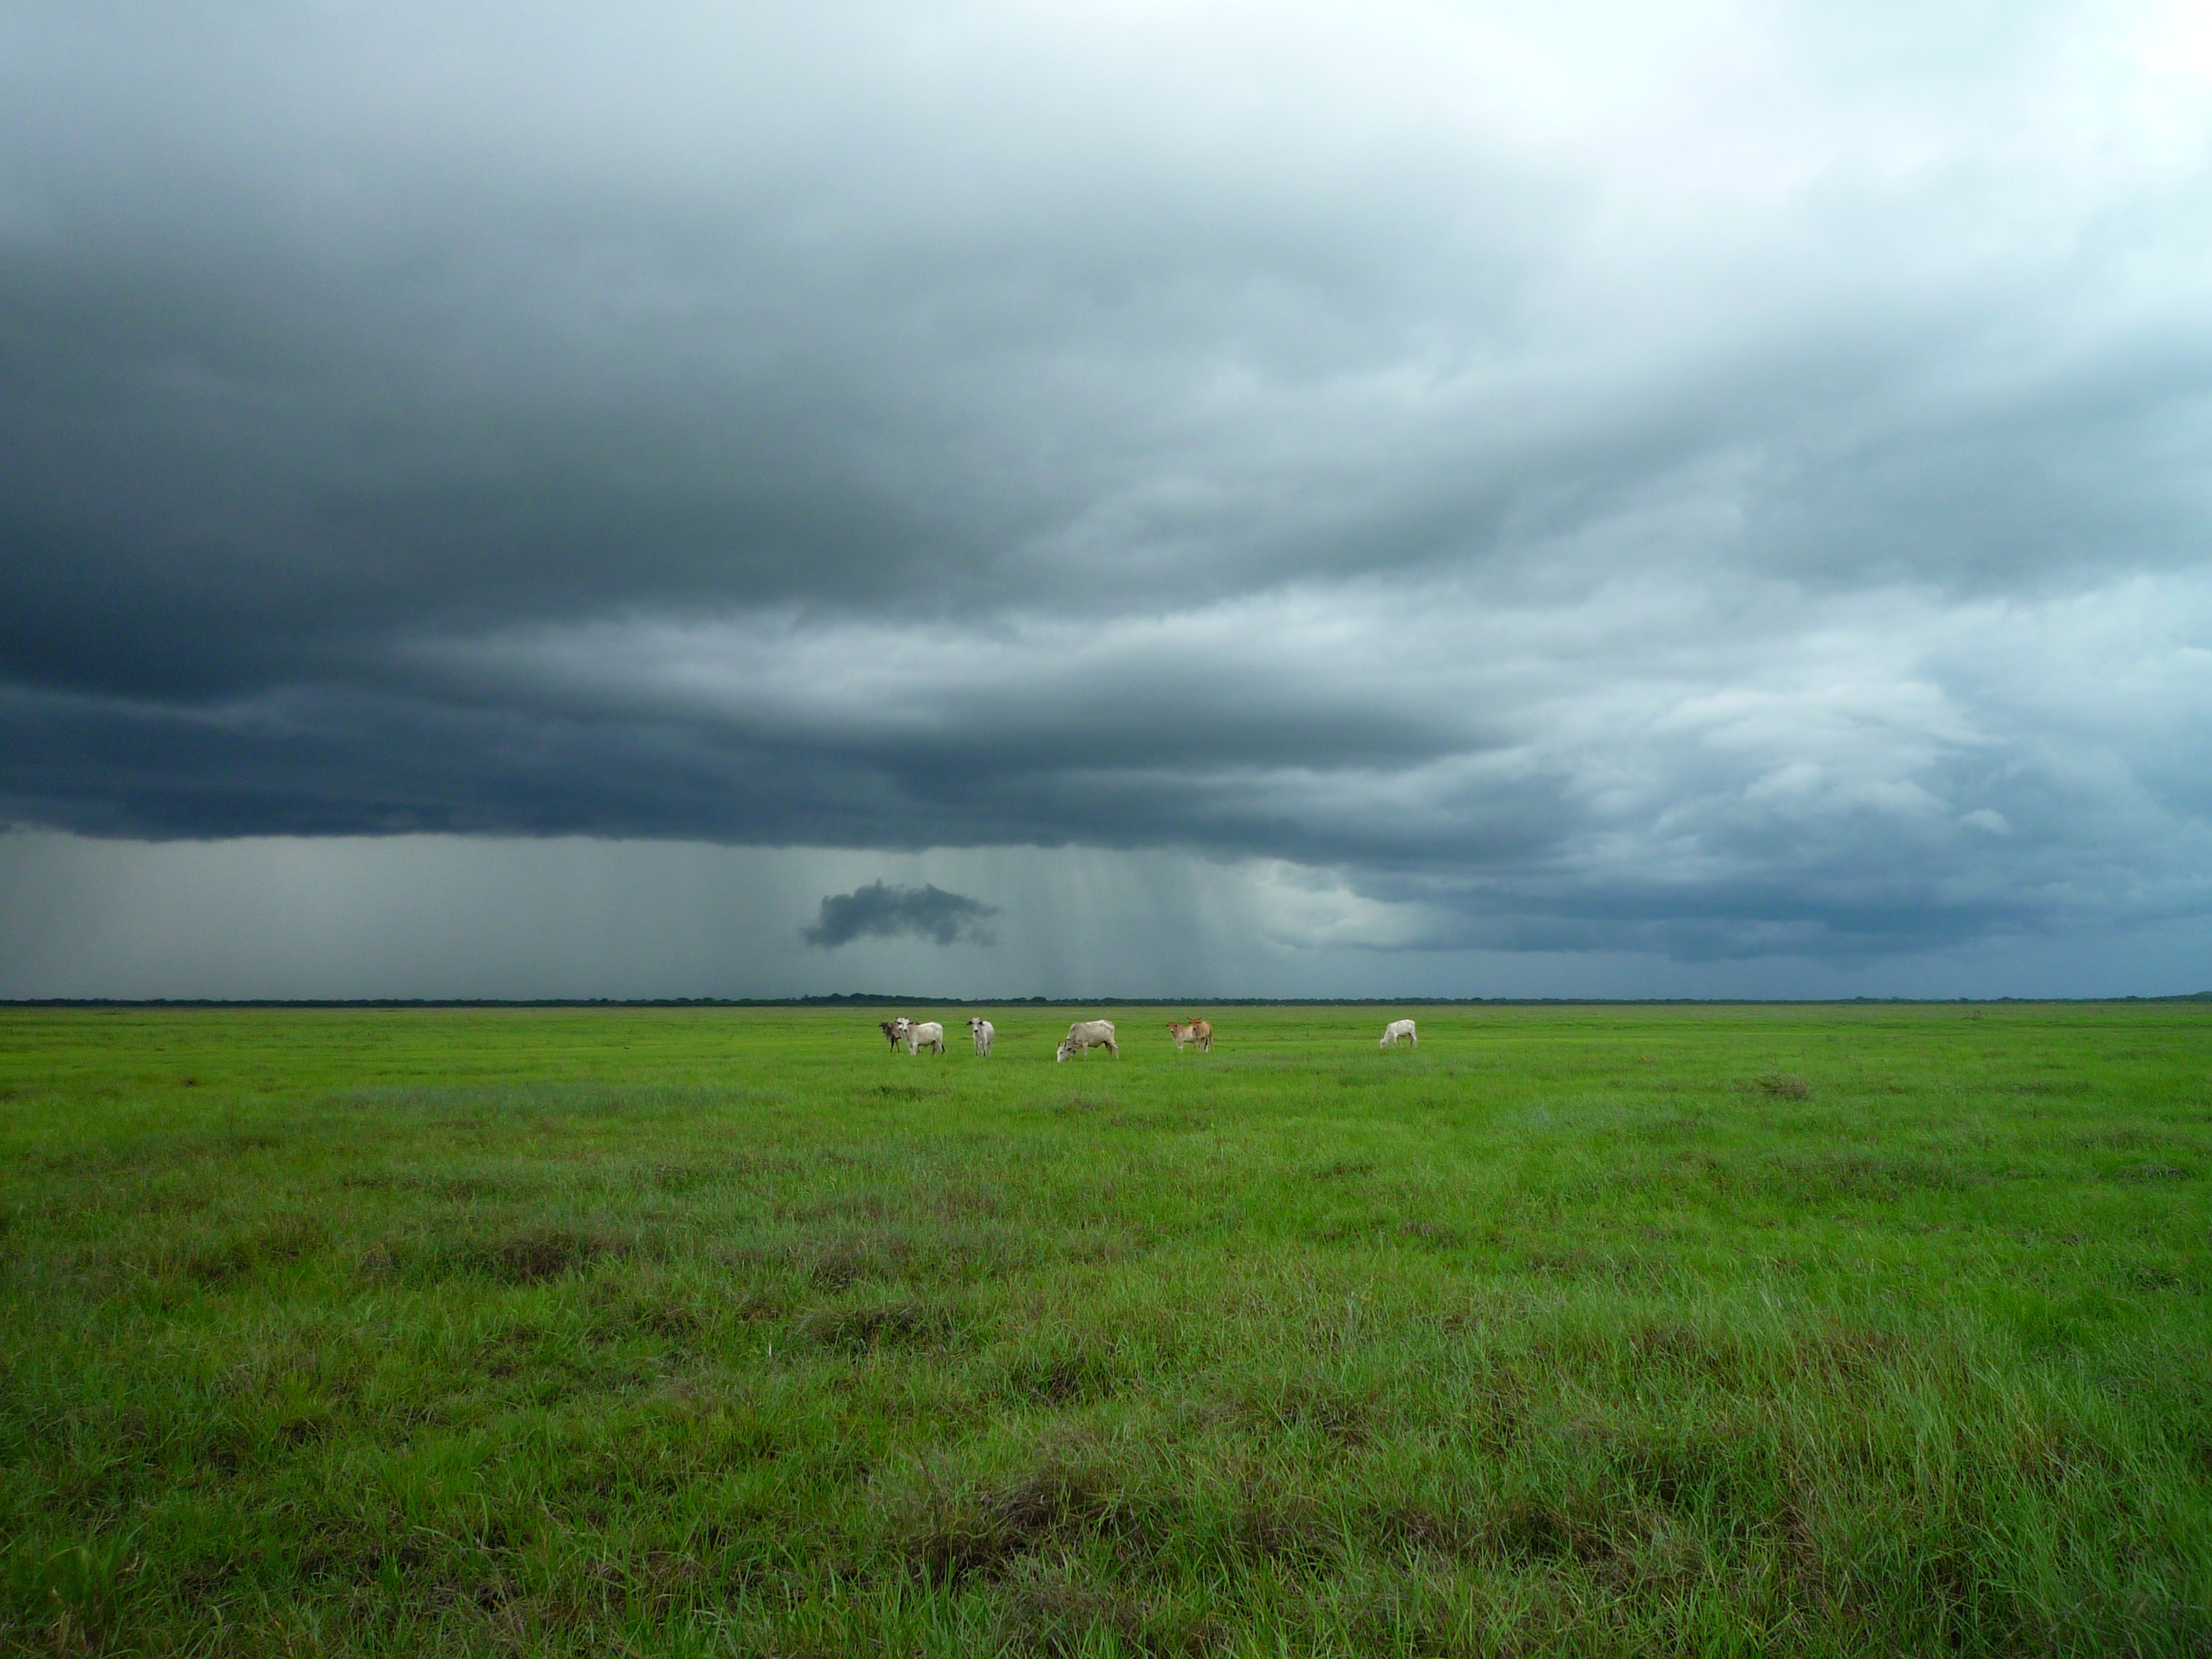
x=1764, y=1331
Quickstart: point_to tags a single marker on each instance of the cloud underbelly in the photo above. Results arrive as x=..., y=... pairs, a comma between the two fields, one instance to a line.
x=1865, y=772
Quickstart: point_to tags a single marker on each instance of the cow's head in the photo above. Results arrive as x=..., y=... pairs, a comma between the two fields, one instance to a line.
x=1067, y=1047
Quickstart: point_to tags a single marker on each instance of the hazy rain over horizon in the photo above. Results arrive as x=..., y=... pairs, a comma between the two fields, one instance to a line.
x=1082, y=499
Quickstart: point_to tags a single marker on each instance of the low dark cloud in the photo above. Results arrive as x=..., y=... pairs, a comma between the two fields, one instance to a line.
x=877, y=911
x=1600, y=494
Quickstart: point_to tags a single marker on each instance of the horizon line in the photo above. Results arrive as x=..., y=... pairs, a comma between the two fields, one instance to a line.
x=877, y=999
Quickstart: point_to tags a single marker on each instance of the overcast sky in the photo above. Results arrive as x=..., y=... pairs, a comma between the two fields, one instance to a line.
x=565, y=499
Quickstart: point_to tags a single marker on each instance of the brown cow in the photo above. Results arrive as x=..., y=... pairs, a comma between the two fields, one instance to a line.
x=1199, y=1032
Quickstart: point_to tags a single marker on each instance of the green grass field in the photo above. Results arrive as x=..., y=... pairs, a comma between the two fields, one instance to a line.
x=1614, y=1330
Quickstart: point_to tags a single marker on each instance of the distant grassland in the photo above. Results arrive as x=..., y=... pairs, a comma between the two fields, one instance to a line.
x=1626, y=1330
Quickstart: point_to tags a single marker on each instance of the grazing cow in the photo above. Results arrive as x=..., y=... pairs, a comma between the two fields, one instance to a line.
x=895, y=1029
x=982, y=1030
x=1399, y=1028
x=927, y=1034
x=1088, y=1034
x=1197, y=1030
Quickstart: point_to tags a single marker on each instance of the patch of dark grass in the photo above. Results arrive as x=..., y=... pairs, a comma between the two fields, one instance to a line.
x=678, y=1178
x=949, y=1538
x=1350, y=1229
x=1830, y=1177
x=668, y=1316
x=2127, y=1137
x=875, y=1204
x=2152, y=1276
x=468, y=1188
x=962, y=1202
x=858, y=1330
x=1062, y=1609
x=1850, y=1355
x=2142, y=1173
x=1534, y=1530
x=529, y=1255
x=1668, y=1127
x=1340, y=1414
x=1591, y=1266
x=1676, y=1473
x=1629, y=1545
x=535, y=1255
x=1152, y=1122
x=1783, y=1085
x=1078, y=1373
x=844, y=1260
x=273, y=1243
x=1678, y=1349
x=838, y=1260
x=1431, y=1235
x=1288, y=1529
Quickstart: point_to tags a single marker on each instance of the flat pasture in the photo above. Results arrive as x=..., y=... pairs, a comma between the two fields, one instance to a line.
x=1865, y=1329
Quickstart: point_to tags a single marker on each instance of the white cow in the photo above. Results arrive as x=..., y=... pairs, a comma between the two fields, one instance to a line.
x=927, y=1034
x=1088, y=1034
x=1399, y=1028
x=982, y=1030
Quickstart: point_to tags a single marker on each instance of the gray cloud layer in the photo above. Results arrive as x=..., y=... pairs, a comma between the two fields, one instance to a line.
x=1723, y=485
x=877, y=911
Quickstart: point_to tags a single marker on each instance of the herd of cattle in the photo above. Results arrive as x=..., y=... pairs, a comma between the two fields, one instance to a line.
x=1083, y=1036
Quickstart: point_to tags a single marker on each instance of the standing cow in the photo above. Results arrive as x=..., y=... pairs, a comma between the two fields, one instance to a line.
x=1399, y=1028
x=982, y=1030
x=1088, y=1034
x=895, y=1029
x=927, y=1034
x=1199, y=1032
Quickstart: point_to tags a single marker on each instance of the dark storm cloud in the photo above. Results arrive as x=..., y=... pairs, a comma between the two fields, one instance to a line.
x=877, y=911
x=1598, y=489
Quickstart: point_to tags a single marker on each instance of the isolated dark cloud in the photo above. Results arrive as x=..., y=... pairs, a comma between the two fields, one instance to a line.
x=877, y=911
x=1718, y=485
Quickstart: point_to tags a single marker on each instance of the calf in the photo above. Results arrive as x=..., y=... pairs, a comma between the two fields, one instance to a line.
x=1199, y=1032
x=982, y=1031
x=927, y=1034
x=1399, y=1028
x=895, y=1029
x=1088, y=1034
